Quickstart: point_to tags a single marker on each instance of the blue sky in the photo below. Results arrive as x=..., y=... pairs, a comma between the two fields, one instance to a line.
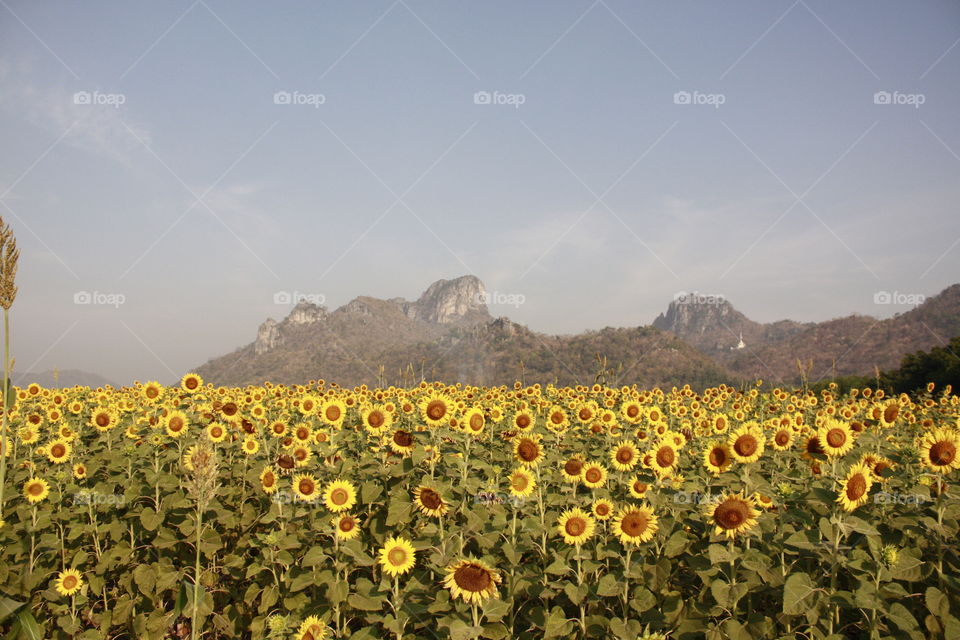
x=147, y=154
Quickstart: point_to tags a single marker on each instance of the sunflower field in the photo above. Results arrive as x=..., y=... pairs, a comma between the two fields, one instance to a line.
x=313, y=511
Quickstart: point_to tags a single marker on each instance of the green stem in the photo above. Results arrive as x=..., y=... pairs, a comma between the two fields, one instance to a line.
x=194, y=631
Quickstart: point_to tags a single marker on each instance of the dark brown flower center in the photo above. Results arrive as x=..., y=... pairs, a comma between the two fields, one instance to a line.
x=634, y=523
x=731, y=513
x=472, y=577
x=339, y=496
x=624, y=455
x=402, y=439
x=593, y=474
x=528, y=450
x=306, y=486
x=718, y=457
x=575, y=526
x=573, y=467
x=943, y=453
x=856, y=487
x=836, y=437
x=666, y=456
x=436, y=409
x=430, y=498
x=745, y=445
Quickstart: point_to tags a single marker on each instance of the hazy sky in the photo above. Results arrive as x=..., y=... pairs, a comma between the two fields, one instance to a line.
x=192, y=159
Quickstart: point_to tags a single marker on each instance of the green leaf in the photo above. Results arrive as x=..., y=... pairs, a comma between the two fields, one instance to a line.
x=149, y=519
x=676, y=544
x=557, y=624
x=28, y=625
x=797, y=592
x=937, y=602
x=363, y=603
x=8, y=607
x=608, y=586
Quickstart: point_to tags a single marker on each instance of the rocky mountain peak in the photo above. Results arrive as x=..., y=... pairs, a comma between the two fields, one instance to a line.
x=447, y=301
x=696, y=313
x=306, y=313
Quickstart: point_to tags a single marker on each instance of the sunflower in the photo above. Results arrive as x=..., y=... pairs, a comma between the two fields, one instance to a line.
x=474, y=421
x=746, y=443
x=717, y=458
x=624, y=456
x=175, y=424
x=313, y=629
x=524, y=420
x=151, y=392
x=340, y=495
x=191, y=382
x=471, y=580
x=268, y=480
x=429, y=501
x=594, y=476
x=69, y=582
x=763, y=501
x=587, y=411
x=333, y=411
x=346, y=526
x=733, y=515
x=664, y=459
x=527, y=450
x=79, y=471
x=631, y=411
x=436, y=409
x=635, y=524
x=638, y=488
x=216, y=432
x=576, y=526
x=36, y=489
x=855, y=487
x=572, y=469
x=782, y=438
x=103, y=419
x=397, y=556
x=836, y=438
x=376, y=419
x=938, y=450
x=305, y=487
x=557, y=419
x=250, y=445
x=522, y=483
x=877, y=465
x=602, y=509
x=58, y=451
x=401, y=441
